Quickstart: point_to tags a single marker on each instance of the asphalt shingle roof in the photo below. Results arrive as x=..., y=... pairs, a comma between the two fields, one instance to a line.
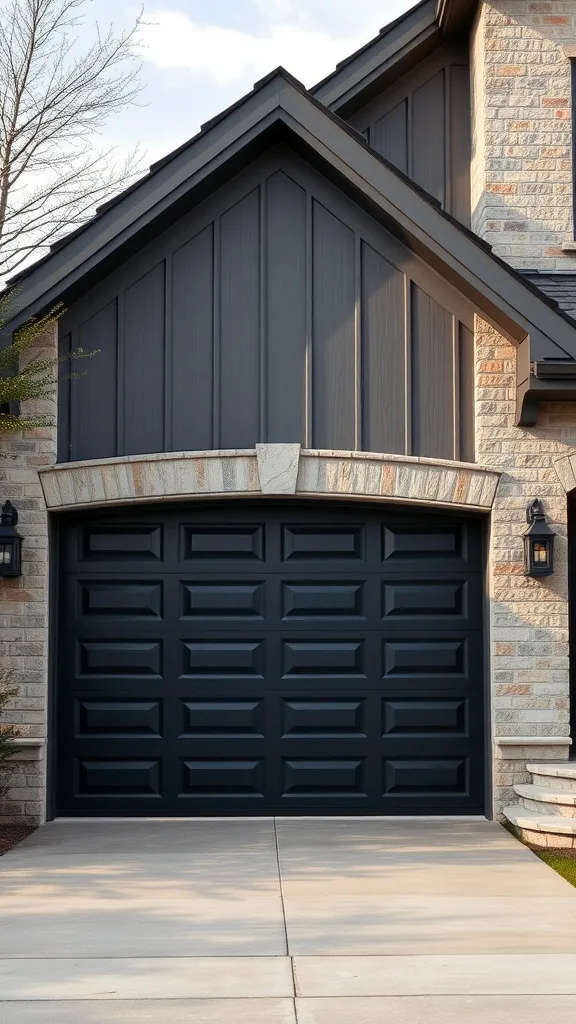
x=559, y=285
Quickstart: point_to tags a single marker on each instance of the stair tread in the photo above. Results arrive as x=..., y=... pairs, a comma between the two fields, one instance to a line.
x=520, y=816
x=547, y=796
x=562, y=770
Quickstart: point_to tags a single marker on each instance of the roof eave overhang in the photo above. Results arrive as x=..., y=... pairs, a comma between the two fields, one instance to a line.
x=455, y=16
x=404, y=43
x=547, y=381
x=400, y=46
x=513, y=306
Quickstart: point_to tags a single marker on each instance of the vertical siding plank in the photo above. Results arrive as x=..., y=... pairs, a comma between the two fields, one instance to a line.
x=467, y=399
x=456, y=386
x=192, y=322
x=239, y=324
x=460, y=143
x=120, y=372
x=333, y=342
x=389, y=136
x=428, y=137
x=168, y=355
x=216, y=310
x=263, y=317
x=408, y=449
x=383, y=355
x=144, y=364
x=93, y=395
x=432, y=372
x=285, y=310
x=308, y=406
x=359, y=443
x=64, y=388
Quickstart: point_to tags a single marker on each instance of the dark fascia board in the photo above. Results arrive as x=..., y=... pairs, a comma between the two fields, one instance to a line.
x=536, y=389
x=500, y=294
x=548, y=381
x=398, y=46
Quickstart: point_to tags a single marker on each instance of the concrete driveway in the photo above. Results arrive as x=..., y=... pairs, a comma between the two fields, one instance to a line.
x=314, y=921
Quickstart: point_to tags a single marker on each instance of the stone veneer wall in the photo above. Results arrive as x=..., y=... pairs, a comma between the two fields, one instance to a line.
x=24, y=609
x=522, y=130
x=528, y=618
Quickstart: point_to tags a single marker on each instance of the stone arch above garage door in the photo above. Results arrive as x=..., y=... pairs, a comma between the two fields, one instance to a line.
x=268, y=469
x=566, y=471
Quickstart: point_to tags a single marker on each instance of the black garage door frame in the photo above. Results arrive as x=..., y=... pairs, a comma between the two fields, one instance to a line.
x=312, y=509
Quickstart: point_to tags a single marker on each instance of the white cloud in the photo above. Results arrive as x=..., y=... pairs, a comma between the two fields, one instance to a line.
x=172, y=40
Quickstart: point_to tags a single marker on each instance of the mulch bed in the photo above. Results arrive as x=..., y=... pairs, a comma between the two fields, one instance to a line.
x=11, y=835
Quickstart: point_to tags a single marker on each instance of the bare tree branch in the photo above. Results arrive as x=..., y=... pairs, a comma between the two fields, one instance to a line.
x=54, y=97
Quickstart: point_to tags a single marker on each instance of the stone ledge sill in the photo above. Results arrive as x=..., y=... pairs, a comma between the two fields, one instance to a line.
x=568, y=247
x=29, y=741
x=533, y=741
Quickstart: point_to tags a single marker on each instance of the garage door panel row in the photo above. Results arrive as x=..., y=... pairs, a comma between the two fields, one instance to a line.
x=439, y=658
x=303, y=784
x=274, y=603
x=282, y=716
x=166, y=545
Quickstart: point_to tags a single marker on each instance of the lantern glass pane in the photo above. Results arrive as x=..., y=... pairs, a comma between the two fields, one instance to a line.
x=540, y=553
x=5, y=554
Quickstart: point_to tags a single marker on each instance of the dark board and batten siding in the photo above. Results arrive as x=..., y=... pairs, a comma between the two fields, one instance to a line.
x=279, y=310
x=422, y=125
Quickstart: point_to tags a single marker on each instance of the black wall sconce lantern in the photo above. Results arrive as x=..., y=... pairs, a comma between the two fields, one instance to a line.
x=538, y=542
x=10, y=542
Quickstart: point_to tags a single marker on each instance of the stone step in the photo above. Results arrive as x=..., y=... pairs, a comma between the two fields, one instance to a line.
x=545, y=830
x=547, y=801
x=554, y=776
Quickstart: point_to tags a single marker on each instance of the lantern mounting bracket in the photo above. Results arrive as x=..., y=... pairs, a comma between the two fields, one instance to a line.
x=535, y=511
x=9, y=515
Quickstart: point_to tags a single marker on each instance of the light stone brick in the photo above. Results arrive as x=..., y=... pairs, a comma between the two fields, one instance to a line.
x=521, y=97
x=528, y=618
x=24, y=623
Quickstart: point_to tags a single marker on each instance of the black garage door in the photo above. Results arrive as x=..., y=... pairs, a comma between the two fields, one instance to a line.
x=270, y=659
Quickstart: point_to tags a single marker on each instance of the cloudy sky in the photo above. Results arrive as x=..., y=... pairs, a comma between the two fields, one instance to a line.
x=201, y=55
